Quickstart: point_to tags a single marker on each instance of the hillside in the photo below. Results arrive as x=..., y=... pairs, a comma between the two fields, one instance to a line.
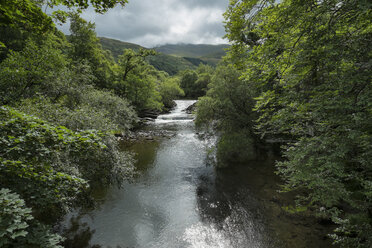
x=116, y=46
x=172, y=58
x=163, y=62
x=193, y=50
x=195, y=53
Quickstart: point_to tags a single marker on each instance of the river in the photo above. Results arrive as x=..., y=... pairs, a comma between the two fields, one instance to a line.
x=179, y=201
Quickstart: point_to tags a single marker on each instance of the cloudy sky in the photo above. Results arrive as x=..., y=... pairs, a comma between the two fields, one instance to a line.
x=156, y=22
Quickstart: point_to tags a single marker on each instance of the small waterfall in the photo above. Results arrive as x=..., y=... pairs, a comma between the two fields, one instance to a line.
x=178, y=113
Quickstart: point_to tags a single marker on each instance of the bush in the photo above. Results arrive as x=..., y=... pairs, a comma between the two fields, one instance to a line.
x=18, y=228
x=97, y=109
x=170, y=90
x=51, y=166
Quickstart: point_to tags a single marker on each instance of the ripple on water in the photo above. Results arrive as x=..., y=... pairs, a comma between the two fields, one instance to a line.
x=176, y=202
x=231, y=234
x=205, y=236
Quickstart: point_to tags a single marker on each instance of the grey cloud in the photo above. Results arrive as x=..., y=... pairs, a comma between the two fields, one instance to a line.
x=155, y=22
x=206, y=3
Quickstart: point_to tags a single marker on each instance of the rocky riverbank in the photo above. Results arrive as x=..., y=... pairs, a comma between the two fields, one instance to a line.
x=191, y=109
x=141, y=135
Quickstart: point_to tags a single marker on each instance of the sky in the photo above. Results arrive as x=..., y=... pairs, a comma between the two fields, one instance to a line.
x=156, y=22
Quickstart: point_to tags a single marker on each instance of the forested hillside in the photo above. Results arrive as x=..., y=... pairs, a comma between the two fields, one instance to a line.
x=172, y=58
x=196, y=53
x=193, y=50
x=162, y=62
x=116, y=46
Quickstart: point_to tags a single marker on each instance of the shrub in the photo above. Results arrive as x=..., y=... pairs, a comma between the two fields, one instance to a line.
x=18, y=228
x=51, y=166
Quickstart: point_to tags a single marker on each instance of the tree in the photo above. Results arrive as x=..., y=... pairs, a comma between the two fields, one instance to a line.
x=100, y=6
x=310, y=64
x=19, y=228
x=130, y=60
x=22, y=18
x=138, y=81
x=31, y=70
x=195, y=82
x=170, y=90
x=50, y=166
x=45, y=166
x=85, y=46
x=188, y=83
x=227, y=109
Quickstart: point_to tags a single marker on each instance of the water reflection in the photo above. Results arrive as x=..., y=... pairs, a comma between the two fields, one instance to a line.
x=78, y=234
x=145, y=153
x=178, y=201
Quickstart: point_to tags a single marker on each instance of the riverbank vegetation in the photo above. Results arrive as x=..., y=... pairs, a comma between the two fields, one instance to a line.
x=298, y=76
x=62, y=99
x=301, y=77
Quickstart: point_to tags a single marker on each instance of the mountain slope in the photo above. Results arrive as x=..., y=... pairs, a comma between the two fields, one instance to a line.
x=193, y=50
x=172, y=58
x=116, y=46
x=163, y=62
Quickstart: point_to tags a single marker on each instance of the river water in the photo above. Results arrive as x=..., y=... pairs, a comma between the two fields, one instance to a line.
x=179, y=201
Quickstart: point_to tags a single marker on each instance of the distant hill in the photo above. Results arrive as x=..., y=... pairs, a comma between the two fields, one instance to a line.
x=172, y=58
x=116, y=46
x=163, y=62
x=195, y=53
x=171, y=64
x=193, y=50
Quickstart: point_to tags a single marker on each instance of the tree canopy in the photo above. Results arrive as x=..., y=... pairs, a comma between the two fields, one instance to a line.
x=306, y=68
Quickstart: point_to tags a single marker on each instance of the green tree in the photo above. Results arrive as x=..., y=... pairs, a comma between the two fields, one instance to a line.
x=85, y=46
x=44, y=166
x=20, y=19
x=25, y=15
x=100, y=6
x=170, y=90
x=195, y=82
x=50, y=166
x=188, y=83
x=131, y=60
x=138, y=81
x=310, y=64
x=227, y=109
x=31, y=70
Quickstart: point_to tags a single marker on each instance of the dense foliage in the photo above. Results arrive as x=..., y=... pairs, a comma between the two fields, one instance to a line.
x=19, y=228
x=227, y=109
x=52, y=167
x=35, y=150
x=306, y=75
x=195, y=82
x=61, y=101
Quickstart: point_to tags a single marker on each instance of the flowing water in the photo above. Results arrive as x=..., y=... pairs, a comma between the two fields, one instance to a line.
x=179, y=201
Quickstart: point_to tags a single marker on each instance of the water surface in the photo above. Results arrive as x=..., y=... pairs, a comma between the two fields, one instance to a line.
x=179, y=201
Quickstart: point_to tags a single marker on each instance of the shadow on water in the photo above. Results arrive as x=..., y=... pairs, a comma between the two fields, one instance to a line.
x=77, y=230
x=179, y=202
x=245, y=198
x=78, y=234
x=144, y=153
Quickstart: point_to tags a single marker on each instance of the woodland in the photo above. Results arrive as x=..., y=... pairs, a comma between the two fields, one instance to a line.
x=296, y=80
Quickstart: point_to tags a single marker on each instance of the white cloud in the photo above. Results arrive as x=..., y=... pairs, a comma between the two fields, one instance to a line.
x=154, y=22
